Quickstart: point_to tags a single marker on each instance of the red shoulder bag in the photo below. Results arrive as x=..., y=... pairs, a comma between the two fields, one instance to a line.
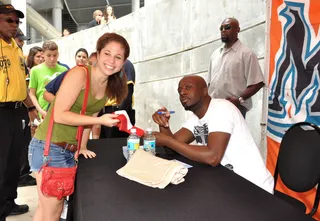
x=59, y=182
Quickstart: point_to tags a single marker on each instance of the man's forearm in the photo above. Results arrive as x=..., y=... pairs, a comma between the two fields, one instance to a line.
x=28, y=102
x=166, y=131
x=201, y=154
x=251, y=90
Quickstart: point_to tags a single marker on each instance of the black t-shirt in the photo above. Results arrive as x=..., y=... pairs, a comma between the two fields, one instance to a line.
x=92, y=23
x=130, y=72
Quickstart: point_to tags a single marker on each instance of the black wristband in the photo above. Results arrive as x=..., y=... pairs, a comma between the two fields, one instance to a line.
x=31, y=108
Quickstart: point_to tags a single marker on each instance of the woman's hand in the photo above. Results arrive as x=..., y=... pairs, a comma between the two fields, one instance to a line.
x=109, y=120
x=87, y=153
x=43, y=113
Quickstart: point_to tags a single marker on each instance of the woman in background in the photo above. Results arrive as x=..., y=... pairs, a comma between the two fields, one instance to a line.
x=35, y=57
x=65, y=32
x=108, y=15
x=81, y=57
x=92, y=58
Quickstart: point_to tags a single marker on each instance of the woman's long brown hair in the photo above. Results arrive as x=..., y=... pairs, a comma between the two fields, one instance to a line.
x=105, y=13
x=32, y=52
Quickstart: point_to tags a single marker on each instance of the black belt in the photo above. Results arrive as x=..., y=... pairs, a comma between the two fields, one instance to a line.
x=11, y=105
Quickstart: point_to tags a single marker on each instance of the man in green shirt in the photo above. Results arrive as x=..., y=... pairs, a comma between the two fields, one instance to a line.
x=42, y=74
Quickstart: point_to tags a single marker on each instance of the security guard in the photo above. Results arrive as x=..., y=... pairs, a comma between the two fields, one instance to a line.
x=13, y=95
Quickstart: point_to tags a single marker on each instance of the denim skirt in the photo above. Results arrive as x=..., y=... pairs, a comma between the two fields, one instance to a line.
x=58, y=156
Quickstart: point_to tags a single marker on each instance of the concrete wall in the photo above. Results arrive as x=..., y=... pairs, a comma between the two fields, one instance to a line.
x=173, y=38
x=149, y=2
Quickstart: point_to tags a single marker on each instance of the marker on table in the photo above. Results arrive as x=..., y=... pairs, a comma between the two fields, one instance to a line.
x=164, y=112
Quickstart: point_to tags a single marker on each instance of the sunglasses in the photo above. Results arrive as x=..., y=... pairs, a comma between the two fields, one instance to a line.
x=11, y=21
x=225, y=27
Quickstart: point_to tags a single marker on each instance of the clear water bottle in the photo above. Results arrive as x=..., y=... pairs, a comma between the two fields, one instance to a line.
x=149, y=142
x=64, y=213
x=133, y=143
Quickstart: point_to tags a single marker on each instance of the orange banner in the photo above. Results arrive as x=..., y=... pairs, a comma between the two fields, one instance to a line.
x=294, y=80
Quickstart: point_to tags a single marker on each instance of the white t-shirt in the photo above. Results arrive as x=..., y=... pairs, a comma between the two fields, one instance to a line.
x=241, y=153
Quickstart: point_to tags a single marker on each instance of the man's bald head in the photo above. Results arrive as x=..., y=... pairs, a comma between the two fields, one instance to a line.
x=197, y=80
x=193, y=92
x=233, y=21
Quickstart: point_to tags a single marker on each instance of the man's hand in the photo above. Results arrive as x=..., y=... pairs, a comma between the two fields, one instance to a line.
x=87, y=153
x=161, y=119
x=234, y=100
x=161, y=139
x=33, y=114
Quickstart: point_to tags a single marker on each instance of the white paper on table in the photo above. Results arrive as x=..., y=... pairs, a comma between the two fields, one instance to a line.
x=125, y=154
x=184, y=164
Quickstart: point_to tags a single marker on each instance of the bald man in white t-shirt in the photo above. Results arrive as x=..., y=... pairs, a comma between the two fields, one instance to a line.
x=220, y=131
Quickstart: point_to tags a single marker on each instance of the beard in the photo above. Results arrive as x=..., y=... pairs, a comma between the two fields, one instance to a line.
x=189, y=107
x=225, y=39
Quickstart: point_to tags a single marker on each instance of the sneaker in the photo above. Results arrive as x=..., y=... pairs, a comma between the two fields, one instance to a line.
x=28, y=181
x=18, y=209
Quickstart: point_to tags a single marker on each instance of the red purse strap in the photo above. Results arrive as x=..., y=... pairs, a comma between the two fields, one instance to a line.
x=80, y=128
